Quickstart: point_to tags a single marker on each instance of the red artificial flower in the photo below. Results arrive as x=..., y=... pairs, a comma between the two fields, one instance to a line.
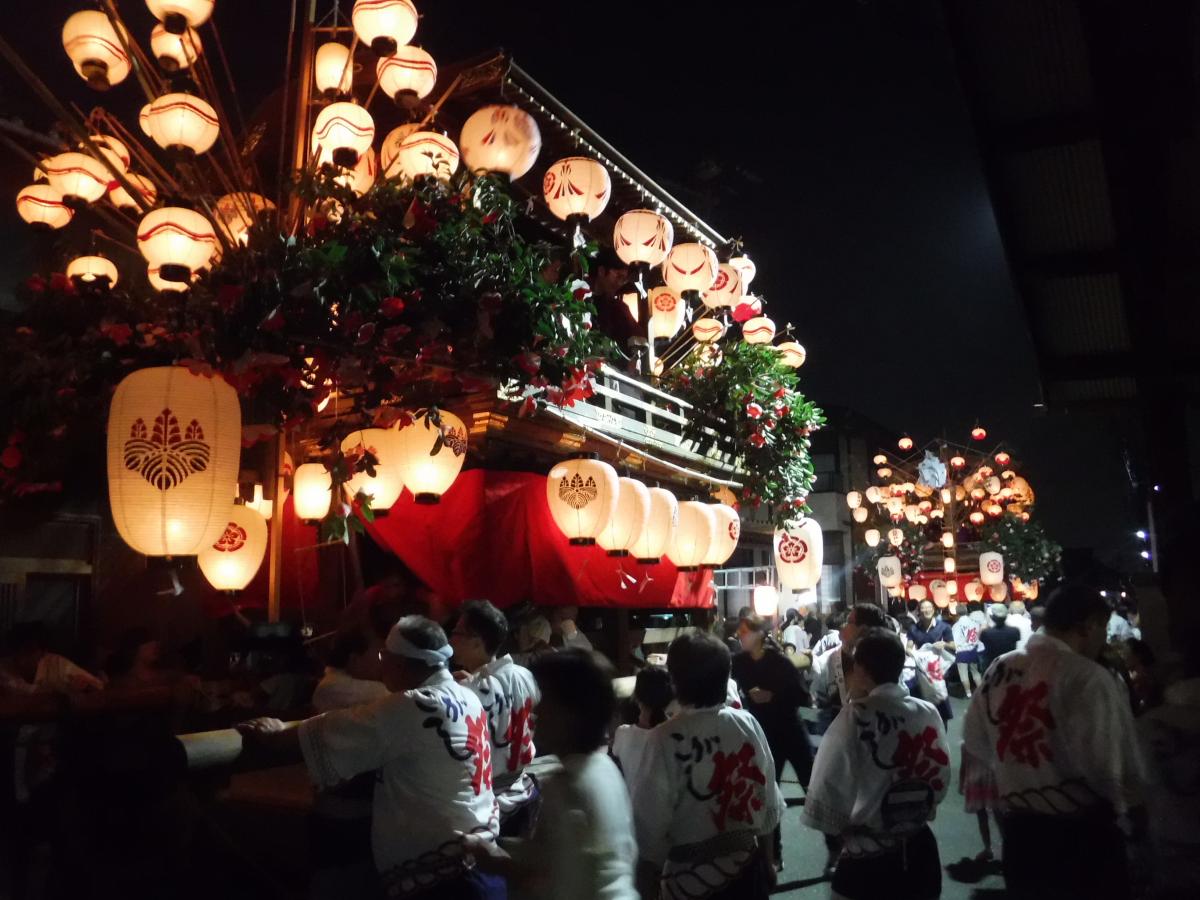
x=743, y=312
x=316, y=225
x=757, y=440
x=528, y=407
x=418, y=219
x=60, y=282
x=117, y=332
x=491, y=217
x=529, y=363
x=273, y=322
x=11, y=457
x=753, y=410
x=391, y=307
x=781, y=393
x=782, y=411
x=36, y=283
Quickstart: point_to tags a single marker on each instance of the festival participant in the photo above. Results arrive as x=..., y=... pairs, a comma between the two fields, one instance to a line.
x=564, y=630
x=1018, y=618
x=930, y=629
x=1118, y=628
x=582, y=847
x=429, y=744
x=882, y=768
x=705, y=796
x=999, y=639
x=509, y=694
x=533, y=640
x=793, y=634
x=653, y=695
x=1056, y=730
x=28, y=666
x=829, y=669
x=833, y=633
x=965, y=633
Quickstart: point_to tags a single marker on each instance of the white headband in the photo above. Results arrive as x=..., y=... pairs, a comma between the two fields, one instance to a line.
x=398, y=645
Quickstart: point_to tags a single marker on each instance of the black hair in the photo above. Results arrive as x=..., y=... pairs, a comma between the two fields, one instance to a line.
x=912, y=606
x=896, y=608
x=699, y=667
x=974, y=606
x=653, y=690
x=1037, y=616
x=347, y=642
x=744, y=612
x=581, y=682
x=814, y=628
x=835, y=620
x=486, y=622
x=792, y=615
x=25, y=636
x=1070, y=606
x=880, y=654
x=867, y=615
x=606, y=258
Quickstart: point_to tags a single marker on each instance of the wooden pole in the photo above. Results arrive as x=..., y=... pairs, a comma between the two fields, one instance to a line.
x=275, y=526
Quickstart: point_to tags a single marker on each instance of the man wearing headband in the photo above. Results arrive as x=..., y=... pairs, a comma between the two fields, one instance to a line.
x=428, y=741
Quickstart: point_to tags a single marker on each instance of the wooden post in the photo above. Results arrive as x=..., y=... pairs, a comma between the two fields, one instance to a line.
x=275, y=528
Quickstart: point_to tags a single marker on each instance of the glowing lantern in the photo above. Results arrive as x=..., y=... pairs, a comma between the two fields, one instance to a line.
x=144, y=119
x=236, y=213
x=880, y=459
x=174, y=444
x=624, y=530
x=998, y=592
x=957, y=462
x=93, y=269
x=918, y=592
x=385, y=486
x=760, y=330
x=799, y=555
x=895, y=537
x=96, y=50
x=42, y=206
x=947, y=496
x=1003, y=459
x=146, y=193
x=992, y=485
x=860, y=515
x=873, y=494
x=792, y=354
x=232, y=561
x=177, y=15
x=176, y=241
x=995, y=510
x=667, y=312
x=427, y=154
x=175, y=51
x=745, y=268
x=708, y=330
x=643, y=236
x=312, y=491
x=854, y=499
x=582, y=493
x=343, y=132
x=407, y=76
x=725, y=539
x=500, y=139
x=80, y=178
x=428, y=474
x=889, y=571
x=977, y=518
x=362, y=176
x=333, y=69
x=951, y=587
x=384, y=25
x=978, y=433
x=726, y=288
x=973, y=591
x=690, y=269
x=949, y=566
x=766, y=600
x=389, y=152
x=661, y=521
x=576, y=189
x=183, y=123
x=694, y=535
x=871, y=536
x=911, y=511
x=905, y=443
x=947, y=539
x=154, y=276
x=884, y=472
x=1032, y=591
x=991, y=568
x=112, y=150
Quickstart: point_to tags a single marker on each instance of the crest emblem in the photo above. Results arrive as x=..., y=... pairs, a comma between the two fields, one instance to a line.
x=232, y=540
x=995, y=566
x=792, y=549
x=166, y=456
x=456, y=440
x=664, y=301
x=577, y=492
x=735, y=529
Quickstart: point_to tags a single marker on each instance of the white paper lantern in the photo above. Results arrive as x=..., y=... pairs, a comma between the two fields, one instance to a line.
x=918, y=592
x=991, y=568
x=79, y=177
x=949, y=566
x=385, y=487
x=92, y=270
x=799, y=554
x=176, y=242
x=661, y=521
x=42, y=206
x=500, y=139
x=333, y=70
x=998, y=592
x=708, y=330
x=667, y=312
x=231, y=562
x=690, y=267
x=174, y=447
x=384, y=25
x=427, y=474
x=111, y=149
x=407, y=75
x=854, y=499
x=860, y=515
x=725, y=540
x=973, y=590
x=889, y=571
x=759, y=330
x=177, y=15
x=582, y=494
x=183, y=123
x=726, y=289
x=343, y=132
x=146, y=194
x=643, y=236
x=624, y=530
x=746, y=269
x=236, y=213
x=576, y=189
x=312, y=491
x=791, y=354
x=895, y=537
x=872, y=537
x=95, y=49
x=695, y=533
x=361, y=178
x=175, y=52
x=766, y=600
x=427, y=154
x=873, y=494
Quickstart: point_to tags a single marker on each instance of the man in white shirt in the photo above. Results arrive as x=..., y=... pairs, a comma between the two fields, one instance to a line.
x=705, y=799
x=1057, y=732
x=509, y=694
x=564, y=631
x=829, y=671
x=1118, y=628
x=882, y=768
x=1018, y=618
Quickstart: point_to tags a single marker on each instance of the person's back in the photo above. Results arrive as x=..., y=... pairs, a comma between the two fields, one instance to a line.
x=509, y=695
x=653, y=695
x=1001, y=638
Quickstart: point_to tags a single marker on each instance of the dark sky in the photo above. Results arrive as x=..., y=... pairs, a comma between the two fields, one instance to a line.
x=831, y=134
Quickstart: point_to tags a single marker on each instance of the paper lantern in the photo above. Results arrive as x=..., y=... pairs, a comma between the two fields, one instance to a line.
x=694, y=535
x=957, y=462
x=905, y=443
x=384, y=25
x=708, y=330
x=947, y=539
x=643, y=236
x=725, y=540
x=918, y=592
x=661, y=521
x=998, y=592
x=747, y=309
x=759, y=330
x=176, y=15
x=500, y=139
x=42, y=206
x=389, y=151
x=95, y=49
x=871, y=536
x=745, y=269
x=991, y=568
x=995, y=510
x=576, y=189
x=582, y=493
x=766, y=600
x=884, y=472
x=93, y=270
x=79, y=177
x=667, y=312
x=176, y=241
x=860, y=514
x=911, y=511
x=690, y=267
x=428, y=474
x=333, y=69
x=407, y=75
x=973, y=591
x=951, y=587
x=112, y=149
x=174, y=445
x=1032, y=591
x=799, y=555
x=312, y=491
x=175, y=52
x=949, y=566
x=873, y=494
x=385, y=486
x=895, y=537
x=854, y=499
x=231, y=562
x=362, y=176
x=144, y=197
x=629, y=519
x=183, y=123
x=977, y=518
x=1003, y=459
x=154, y=276
x=992, y=485
x=889, y=571
x=343, y=132
x=237, y=213
x=725, y=290
x=792, y=354
x=426, y=154
x=978, y=433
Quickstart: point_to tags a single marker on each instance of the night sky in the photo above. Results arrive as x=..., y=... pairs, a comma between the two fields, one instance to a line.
x=831, y=134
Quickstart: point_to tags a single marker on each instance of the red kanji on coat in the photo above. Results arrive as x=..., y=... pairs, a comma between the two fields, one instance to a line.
x=480, y=746
x=1023, y=722
x=733, y=781
x=919, y=756
x=520, y=736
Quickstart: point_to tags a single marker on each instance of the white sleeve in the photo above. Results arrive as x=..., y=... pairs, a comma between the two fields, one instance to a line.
x=976, y=739
x=341, y=744
x=653, y=796
x=829, y=801
x=773, y=802
x=1106, y=747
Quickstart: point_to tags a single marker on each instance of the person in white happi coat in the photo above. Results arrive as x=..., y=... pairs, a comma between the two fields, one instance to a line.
x=965, y=632
x=829, y=670
x=428, y=741
x=1056, y=730
x=880, y=772
x=1018, y=618
x=705, y=798
x=509, y=694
